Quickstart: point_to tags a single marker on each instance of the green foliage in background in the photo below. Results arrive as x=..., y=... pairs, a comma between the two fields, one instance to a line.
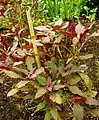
x=65, y=9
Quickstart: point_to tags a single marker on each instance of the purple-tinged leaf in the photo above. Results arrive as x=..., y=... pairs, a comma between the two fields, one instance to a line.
x=59, y=22
x=41, y=28
x=40, y=92
x=50, y=85
x=29, y=62
x=58, y=87
x=79, y=29
x=17, y=63
x=33, y=73
x=92, y=101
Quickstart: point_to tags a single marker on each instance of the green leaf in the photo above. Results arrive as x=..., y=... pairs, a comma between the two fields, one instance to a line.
x=54, y=113
x=52, y=67
x=75, y=41
x=2, y=79
x=22, y=70
x=74, y=79
x=35, y=84
x=94, y=112
x=22, y=84
x=74, y=118
x=29, y=62
x=78, y=112
x=52, y=97
x=40, y=92
x=12, y=74
x=48, y=116
x=39, y=71
x=40, y=106
x=58, y=98
x=87, y=80
x=91, y=93
x=12, y=92
x=55, y=97
x=42, y=80
x=76, y=90
x=28, y=96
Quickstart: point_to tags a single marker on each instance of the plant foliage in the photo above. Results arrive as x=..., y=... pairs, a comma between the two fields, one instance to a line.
x=44, y=57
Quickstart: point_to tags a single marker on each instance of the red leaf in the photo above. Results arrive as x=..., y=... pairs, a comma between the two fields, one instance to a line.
x=78, y=99
x=17, y=59
x=35, y=2
x=72, y=27
x=55, y=28
x=3, y=43
x=40, y=35
x=66, y=33
x=3, y=55
x=70, y=34
x=84, y=33
x=17, y=30
x=27, y=46
x=4, y=67
x=69, y=37
x=3, y=2
x=2, y=11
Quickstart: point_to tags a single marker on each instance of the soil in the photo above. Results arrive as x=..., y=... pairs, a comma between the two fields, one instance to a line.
x=10, y=110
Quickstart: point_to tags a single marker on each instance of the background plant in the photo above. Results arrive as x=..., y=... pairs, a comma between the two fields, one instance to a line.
x=61, y=8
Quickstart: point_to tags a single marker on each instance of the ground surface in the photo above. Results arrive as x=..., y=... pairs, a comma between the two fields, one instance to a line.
x=8, y=109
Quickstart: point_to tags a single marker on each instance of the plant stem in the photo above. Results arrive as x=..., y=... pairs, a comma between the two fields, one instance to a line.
x=33, y=37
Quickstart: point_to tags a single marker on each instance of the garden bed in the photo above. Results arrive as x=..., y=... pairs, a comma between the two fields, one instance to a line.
x=11, y=109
